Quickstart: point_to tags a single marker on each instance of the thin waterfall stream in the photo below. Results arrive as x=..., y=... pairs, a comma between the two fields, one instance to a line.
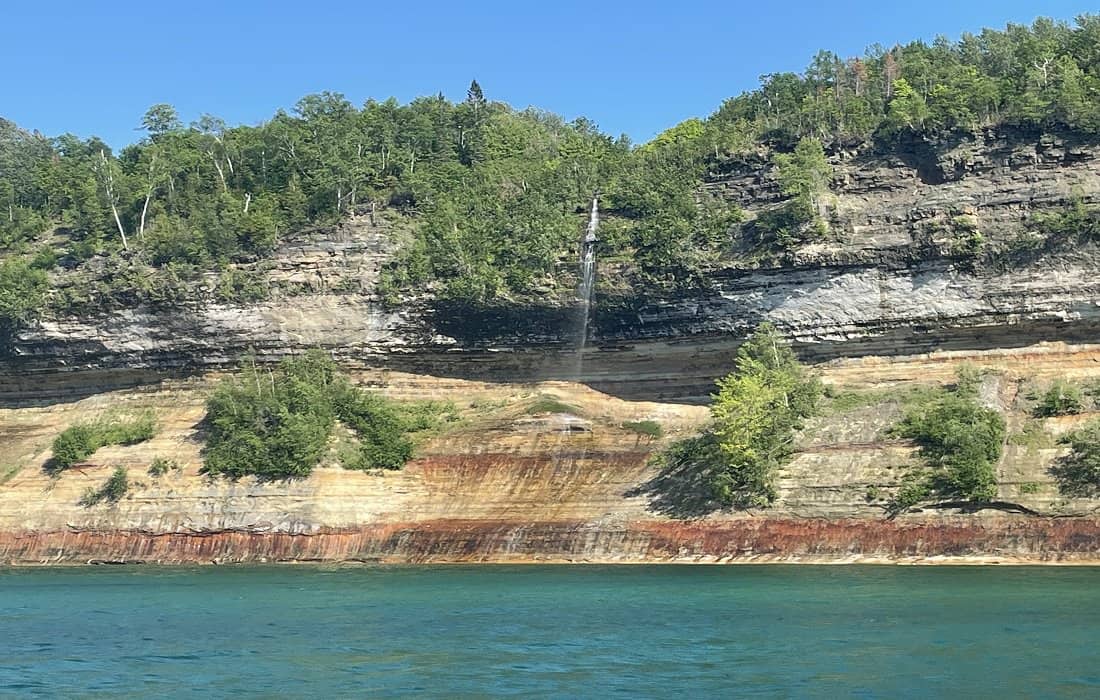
x=587, y=279
x=585, y=289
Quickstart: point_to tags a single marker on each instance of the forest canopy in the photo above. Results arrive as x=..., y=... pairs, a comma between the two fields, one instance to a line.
x=493, y=194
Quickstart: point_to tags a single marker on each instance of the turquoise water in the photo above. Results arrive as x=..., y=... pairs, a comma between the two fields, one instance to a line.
x=544, y=631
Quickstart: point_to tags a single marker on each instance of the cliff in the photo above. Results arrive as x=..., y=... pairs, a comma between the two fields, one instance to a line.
x=885, y=303
x=887, y=281
x=506, y=484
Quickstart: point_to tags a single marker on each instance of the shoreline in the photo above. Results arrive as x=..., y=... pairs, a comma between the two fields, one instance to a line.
x=750, y=541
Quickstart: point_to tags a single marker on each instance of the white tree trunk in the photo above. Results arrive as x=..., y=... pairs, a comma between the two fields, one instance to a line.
x=221, y=173
x=112, y=196
x=148, y=195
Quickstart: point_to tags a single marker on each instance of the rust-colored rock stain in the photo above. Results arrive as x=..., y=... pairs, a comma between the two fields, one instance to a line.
x=447, y=541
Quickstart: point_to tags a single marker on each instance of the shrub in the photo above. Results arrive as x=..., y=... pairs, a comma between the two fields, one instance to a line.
x=80, y=440
x=162, y=466
x=116, y=486
x=789, y=224
x=381, y=430
x=76, y=443
x=417, y=416
x=1078, y=473
x=22, y=295
x=1061, y=399
x=546, y=403
x=650, y=428
x=241, y=286
x=968, y=380
x=960, y=443
x=845, y=401
x=129, y=432
x=276, y=423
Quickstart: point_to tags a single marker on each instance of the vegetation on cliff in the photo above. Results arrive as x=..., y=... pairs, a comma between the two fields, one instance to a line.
x=1060, y=399
x=112, y=490
x=276, y=423
x=80, y=440
x=755, y=415
x=1078, y=473
x=493, y=193
x=960, y=444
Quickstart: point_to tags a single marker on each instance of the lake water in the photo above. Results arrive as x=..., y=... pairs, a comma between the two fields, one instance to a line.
x=551, y=631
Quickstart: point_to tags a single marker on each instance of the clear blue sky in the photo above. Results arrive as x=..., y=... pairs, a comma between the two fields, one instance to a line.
x=632, y=67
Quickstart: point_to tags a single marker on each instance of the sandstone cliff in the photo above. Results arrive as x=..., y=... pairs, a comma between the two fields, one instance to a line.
x=887, y=301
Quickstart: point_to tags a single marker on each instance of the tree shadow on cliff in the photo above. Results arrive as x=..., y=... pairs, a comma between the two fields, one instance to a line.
x=1077, y=476
x=682, y=489
x=972, y=507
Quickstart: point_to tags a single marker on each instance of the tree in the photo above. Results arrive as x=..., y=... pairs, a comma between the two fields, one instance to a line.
x=22, y=294
x=1061, y=399
x=276, y=423
x=805, y=173
x=475, y=97
x=107, y=172
x=908, y=109
x=1078, y=473
x=756, y=412
x=160, y=119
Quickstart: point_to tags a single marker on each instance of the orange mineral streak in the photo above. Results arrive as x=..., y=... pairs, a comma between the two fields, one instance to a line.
x=458, y=541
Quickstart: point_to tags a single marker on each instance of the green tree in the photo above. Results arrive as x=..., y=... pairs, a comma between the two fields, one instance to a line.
x=1078, y=473
x=756, y=412
x=160, y=119
x=22, y=295
x=806, y=172
x=276, y=424
x=908, y=109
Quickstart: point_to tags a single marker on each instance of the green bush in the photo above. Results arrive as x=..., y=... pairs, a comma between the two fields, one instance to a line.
x=1061, y=399
x=276, y=423
x=381, y=430
x=112, y=490
x=162, y=466
x=22, y=295
x=241, y=286
x=845, y=401
x=1078, y=473
x=544, y=403
x=960, y=443
x=644, y=427
x=80, y=440
x=419, y=416
x=76, y=443
x=789, y=224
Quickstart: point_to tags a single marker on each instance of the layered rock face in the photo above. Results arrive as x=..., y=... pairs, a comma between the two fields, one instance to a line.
x=889, y=280
x=508, y=485
x=888, y=300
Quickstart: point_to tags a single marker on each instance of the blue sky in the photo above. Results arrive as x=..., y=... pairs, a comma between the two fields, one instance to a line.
x=632, y=67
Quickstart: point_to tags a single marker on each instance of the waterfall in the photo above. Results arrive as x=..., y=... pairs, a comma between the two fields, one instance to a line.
x=585, y=289
x=587, y=277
